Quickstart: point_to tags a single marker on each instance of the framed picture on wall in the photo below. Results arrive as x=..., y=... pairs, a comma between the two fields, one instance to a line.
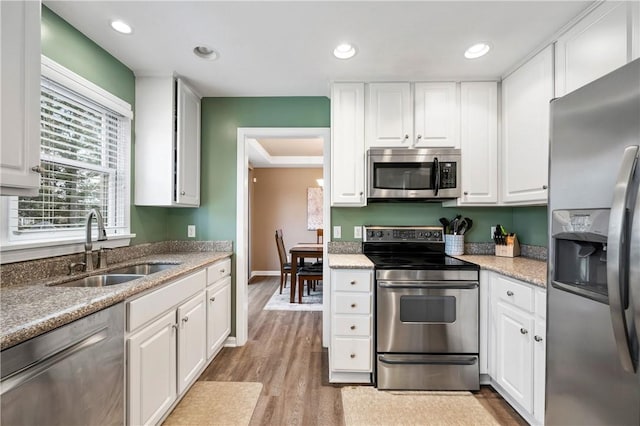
x=314, y=208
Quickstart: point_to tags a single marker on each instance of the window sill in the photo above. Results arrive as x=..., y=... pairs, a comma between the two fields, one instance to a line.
x=31, y=250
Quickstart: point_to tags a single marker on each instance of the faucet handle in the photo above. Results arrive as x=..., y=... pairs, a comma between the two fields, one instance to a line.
x=74, y=265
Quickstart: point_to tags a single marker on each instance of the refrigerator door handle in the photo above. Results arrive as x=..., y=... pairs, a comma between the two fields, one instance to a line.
x=634, y=263
x=615, y=256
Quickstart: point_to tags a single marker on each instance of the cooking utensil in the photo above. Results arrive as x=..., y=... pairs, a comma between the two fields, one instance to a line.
x=454, y=224
x=445, y=222
x=469, y=225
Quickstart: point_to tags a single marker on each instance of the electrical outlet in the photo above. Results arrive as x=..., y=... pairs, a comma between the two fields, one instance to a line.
x=191, y=231
x=337, y=232
x=493, y=232
x=357, y=232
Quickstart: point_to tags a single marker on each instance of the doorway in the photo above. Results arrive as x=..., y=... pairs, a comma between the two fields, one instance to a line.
x=245, y=136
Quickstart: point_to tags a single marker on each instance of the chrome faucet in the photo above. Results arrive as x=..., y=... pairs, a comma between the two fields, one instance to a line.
x=102, y=236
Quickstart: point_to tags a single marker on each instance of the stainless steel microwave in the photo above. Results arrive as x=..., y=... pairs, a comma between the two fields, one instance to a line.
x=404, y=174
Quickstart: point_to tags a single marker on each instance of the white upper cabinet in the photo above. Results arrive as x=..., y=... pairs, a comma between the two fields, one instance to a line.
x=437, y=118
x=602, y=41
x=479, y=142
x=347, y=145
x=167, y=145
x=425, y=115
x=20, y=97
x=526, y=94
x=389, y=115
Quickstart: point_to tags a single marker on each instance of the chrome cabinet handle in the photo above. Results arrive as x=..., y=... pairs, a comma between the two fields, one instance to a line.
x=352, y=355
x=353, y=327
x=213, y=299
x=38, y=169
x=523, y=331
x=509, y=293
x=185, y=319
x=537, y=338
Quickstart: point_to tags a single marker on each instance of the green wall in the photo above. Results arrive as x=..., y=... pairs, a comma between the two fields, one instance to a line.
x=531, y=223
x=70, y=48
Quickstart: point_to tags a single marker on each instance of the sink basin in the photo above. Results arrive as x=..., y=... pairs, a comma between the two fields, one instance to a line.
x=144, y=269
x=101, y=280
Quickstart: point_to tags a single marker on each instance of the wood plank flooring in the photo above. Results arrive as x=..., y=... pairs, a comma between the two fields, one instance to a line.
x=284, y=352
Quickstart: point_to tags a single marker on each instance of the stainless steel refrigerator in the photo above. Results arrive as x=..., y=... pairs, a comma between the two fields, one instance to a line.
x=593, y=291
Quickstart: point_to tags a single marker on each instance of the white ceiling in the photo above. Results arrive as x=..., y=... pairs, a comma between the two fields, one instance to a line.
x=285, y=152
x=270, y=48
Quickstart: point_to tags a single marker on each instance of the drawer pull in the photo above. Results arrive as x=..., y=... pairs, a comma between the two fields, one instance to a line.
x=353, y=305
x=222, y=271
x=213, y=299
x=353, y=282
x=352, y=355
x=185, y=319
x=353, y=327
x=509, y=293
x=537, y=338
x=523, y=331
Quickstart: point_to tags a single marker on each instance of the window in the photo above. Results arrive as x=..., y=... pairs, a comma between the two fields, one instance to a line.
x=84, y=153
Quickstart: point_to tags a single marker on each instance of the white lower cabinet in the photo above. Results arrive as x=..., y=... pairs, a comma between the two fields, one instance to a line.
x=516, y=328
x=351, y=344
x=218, y=315
x=191, y=340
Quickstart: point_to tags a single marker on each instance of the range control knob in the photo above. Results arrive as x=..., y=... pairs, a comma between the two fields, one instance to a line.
x=369, y=233
x=379, y=234
x=436, y=235
x=427, y=234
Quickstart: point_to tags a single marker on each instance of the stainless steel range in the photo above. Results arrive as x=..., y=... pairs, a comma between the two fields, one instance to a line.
x=427, y=321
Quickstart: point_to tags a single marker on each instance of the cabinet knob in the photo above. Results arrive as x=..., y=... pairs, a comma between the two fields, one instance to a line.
x=353, y=305
x=537, y=338
x=361, y=193
x=353, y=282
x=352, y=355
x=174, y=326
x=544, y=186
x=222, y=271
x=353, y=327
x=509, y=293
x=465, y=193
x=37, y=169
x=182, y=192
x=213, y=299
x=185, y=319
x=406, y=137
x=418, y=138
x=523, y=331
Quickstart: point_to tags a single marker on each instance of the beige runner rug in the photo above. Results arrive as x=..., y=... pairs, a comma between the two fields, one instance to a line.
x=216, y=403
x=365, y=405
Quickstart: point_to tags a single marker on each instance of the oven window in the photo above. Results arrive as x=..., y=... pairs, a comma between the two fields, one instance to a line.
x=403, y=176
x=438, y=309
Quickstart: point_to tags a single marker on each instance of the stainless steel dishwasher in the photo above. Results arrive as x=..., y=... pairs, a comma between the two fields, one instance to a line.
x=73, y=375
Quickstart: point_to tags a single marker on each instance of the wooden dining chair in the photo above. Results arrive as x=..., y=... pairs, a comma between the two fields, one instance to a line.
x=319, y=235
x=285, y=267
x=310, y=275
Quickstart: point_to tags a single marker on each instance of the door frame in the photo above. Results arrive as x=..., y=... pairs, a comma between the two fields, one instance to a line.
x=242, y=214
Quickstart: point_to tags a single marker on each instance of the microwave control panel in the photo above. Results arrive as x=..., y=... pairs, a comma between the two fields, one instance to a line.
x=448, y=175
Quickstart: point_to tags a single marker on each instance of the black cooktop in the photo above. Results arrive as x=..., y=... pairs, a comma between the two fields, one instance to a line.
x=419, y=261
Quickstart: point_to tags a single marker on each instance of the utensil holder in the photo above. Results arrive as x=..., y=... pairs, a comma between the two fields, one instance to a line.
x=512, y=249
x=454, y=244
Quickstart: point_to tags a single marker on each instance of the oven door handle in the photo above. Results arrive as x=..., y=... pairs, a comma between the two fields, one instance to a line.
x=462, y=285
x=428, y=359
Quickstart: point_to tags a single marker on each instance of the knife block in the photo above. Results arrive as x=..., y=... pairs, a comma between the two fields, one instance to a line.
x=512, y=249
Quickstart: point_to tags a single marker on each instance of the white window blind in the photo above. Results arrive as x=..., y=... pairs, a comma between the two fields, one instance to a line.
x=84, y=153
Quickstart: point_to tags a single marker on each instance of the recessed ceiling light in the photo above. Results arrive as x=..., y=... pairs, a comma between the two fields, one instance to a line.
x=121, y=27
x=344, y=51
x=477, y=50
x=205, y=52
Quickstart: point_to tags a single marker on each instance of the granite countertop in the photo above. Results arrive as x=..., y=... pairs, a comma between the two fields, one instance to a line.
x=349, y=261
x=528, y=270
x=32, y=309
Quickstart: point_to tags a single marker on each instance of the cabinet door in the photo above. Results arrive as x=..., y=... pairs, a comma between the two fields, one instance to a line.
x=152, y=371
x=539, y=369
x=595, y=46
x=347, y=145
x=188, y=146
x=389, y=115
x=437, y=119
x=484, y=321
x=514, y=353
x=479, y=142
x=20, y=101
x=525, y=144
x=218, y=316
x=191, y=340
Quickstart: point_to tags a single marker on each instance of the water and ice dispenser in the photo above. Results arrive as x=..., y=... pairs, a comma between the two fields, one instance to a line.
x=580, y=252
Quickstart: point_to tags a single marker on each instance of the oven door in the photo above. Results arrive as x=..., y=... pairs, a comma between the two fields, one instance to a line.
x=438, y=317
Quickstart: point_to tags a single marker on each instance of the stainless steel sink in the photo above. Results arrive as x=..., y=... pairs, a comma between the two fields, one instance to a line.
x=144, y=269
x=102, y=280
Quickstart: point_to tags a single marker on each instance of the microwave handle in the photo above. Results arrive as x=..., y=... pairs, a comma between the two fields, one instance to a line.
x=436, y=171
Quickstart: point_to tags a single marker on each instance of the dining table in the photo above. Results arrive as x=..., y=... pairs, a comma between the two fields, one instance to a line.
x=299, y=252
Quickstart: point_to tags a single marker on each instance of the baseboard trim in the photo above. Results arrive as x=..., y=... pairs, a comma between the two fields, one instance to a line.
x=265, y=274
x=231, y=342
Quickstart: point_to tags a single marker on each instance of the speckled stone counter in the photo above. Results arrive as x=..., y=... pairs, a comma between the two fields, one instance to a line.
x=528, y=270
x=349, y=261
x=28, y=310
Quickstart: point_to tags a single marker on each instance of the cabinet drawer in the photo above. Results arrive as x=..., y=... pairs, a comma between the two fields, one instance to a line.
x=352, y=303
x=351, y=354
x=218, y=270
x=352, y=325
x=513, y=293
x=350, y=280
x=149, y=306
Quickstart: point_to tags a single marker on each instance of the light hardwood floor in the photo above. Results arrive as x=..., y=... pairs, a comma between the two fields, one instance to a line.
x=284, y=352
